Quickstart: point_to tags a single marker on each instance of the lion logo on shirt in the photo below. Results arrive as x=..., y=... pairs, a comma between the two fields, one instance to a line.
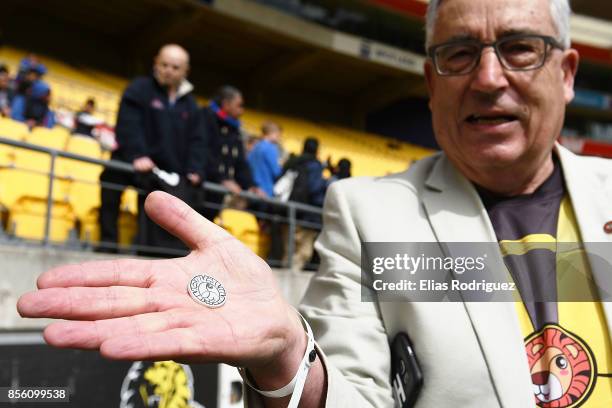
x=159, y=384
x=562, y=368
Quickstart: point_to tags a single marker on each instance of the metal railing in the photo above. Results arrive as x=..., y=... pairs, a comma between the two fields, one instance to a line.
x=292, y=209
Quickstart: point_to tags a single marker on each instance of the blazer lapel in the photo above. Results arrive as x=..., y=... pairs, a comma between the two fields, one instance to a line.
x=590, y=191
x=456, y=214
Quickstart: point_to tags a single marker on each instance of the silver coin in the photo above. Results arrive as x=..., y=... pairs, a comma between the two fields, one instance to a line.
x=207, y=291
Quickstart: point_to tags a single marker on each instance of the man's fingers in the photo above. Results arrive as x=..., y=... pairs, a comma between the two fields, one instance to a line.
x=183, y=343
x=77, y=303
x=91, y=334
x=182, y=221
x=124, y=272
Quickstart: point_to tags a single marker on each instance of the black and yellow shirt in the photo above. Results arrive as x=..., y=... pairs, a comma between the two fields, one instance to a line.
x=567, y=342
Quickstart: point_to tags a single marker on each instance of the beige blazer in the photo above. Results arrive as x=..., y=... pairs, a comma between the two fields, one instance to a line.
x=472, y=354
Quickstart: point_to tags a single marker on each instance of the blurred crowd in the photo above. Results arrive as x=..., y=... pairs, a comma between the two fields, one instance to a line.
x=26, y=96
x=176, y=145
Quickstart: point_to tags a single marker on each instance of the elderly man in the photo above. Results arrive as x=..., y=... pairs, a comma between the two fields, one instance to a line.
x=158, y=126
x=499, y=76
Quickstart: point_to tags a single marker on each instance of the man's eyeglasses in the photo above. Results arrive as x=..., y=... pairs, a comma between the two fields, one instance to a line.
x=522, y=52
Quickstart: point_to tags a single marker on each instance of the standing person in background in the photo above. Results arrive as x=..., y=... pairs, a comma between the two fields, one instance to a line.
x=251, y=142
x=264, y=159
x=341, y=171
x=6, y=92
x=309, y=188
x=226, y=162
x=158, y=126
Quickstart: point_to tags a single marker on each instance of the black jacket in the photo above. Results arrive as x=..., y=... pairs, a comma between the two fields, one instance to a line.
x=148, y=125
x=309, y=186
x=225, y=156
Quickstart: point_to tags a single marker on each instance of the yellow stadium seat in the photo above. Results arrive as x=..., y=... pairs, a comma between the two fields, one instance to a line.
x=243, y=226
x=29, y=176
x=82, y=178
x=28, y=216
x=90, y=228
x=128, y=228
x=55, y=138
x=11, y=129
x=129, y=201
x=7, y=156
x=85, y=146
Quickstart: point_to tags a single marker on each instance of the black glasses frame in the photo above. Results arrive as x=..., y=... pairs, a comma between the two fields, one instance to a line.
x=550, y=42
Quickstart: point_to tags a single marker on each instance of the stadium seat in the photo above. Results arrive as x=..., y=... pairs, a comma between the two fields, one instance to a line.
x=83, y=178
x=55, y=138
x=10, y=129
x=243, y=226
x=127, y=228
x=85, y=146
x=129, y=201
x=29, y=176
x=90, y=228
x=27, y=219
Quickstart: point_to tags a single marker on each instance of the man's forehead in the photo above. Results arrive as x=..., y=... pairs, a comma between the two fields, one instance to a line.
x=173, y=56
x=485, y=18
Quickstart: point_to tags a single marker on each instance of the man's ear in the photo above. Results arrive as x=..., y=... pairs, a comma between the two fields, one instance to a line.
x=569, y=67
x=428, y=69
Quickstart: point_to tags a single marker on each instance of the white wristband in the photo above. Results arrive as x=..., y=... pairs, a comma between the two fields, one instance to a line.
x=296, y=385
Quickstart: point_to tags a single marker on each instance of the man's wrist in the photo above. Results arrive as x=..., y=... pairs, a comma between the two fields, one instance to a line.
x=282, y=369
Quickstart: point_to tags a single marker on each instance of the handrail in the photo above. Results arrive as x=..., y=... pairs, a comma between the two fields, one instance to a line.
x=291, y=207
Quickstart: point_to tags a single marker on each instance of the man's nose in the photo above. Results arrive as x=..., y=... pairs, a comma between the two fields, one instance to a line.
x=489, y=74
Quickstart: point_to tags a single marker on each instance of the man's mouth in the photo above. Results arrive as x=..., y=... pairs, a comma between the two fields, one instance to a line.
x=490, y=119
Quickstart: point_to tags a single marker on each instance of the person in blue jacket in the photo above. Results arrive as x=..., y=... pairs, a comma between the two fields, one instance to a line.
x=158, y=126
x=264, y=159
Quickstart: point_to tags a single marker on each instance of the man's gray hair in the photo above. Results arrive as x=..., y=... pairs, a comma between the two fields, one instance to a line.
x=226, y=93
x=559, y=10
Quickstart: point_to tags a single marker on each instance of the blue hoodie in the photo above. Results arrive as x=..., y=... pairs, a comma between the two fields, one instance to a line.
x=263, y=161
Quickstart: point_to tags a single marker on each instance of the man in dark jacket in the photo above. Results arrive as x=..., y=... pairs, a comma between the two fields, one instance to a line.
x=226, y=161
x=158, y=127
x=6, y=91
x=309, y=188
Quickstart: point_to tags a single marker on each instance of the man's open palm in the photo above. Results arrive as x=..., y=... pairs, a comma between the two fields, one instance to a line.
x=140, y=309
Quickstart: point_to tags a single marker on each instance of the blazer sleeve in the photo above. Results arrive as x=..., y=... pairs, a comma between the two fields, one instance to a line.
x=350, y=334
